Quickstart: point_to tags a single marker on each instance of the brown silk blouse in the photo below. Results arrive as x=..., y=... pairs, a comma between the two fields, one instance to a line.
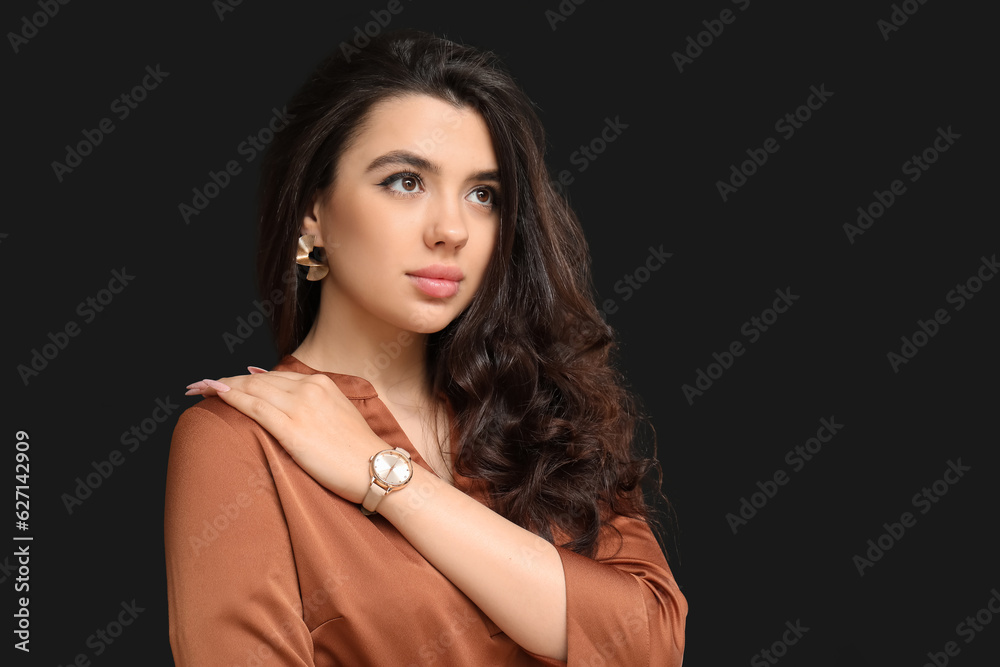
x=267, y=567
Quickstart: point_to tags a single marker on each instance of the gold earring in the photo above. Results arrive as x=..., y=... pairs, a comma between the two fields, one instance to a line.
x=317, y=270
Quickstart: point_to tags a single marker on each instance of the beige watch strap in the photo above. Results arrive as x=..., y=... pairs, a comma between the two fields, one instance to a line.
x=372, y=498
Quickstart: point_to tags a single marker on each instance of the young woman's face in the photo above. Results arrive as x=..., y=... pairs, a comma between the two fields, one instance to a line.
x=411, y=219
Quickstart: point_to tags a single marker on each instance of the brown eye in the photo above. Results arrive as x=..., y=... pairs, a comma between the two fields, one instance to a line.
x=405, y=184
x=482, y=196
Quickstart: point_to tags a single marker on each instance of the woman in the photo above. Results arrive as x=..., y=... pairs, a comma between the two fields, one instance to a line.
x=440, y=468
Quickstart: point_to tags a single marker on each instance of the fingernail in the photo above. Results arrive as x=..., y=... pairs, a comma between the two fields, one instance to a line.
x=194, y=391
x=217, y=386
x=256, y=369
x=200, y=384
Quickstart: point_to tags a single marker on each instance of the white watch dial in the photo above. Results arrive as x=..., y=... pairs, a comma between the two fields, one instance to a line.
x=392, y=468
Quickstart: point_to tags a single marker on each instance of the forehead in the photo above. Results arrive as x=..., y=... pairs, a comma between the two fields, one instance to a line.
x=427, y=126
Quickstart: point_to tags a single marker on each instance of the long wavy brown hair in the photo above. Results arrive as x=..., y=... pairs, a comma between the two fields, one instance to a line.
x=543, y=417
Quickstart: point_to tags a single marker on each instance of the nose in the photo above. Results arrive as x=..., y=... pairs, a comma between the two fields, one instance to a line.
x=446, y=226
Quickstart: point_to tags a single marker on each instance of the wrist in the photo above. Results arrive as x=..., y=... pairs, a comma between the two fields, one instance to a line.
x=421, y=491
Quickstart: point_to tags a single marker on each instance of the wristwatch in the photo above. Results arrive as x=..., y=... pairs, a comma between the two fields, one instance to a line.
x=390, y=469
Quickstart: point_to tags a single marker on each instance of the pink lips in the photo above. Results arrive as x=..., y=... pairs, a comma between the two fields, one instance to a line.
x=437, y=280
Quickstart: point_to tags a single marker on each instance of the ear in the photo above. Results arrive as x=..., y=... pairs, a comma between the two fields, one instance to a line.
x=311, y=221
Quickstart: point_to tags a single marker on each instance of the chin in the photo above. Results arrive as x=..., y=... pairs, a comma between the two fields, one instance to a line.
x=431, y=327
x=431, y=322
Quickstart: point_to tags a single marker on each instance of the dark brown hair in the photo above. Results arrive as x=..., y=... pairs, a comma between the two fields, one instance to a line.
x=543, y=417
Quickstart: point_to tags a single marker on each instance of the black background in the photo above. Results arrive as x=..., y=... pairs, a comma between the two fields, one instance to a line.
x=826, y=357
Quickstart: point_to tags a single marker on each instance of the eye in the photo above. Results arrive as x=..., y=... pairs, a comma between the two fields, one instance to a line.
x=403, y=183
x=484, y=196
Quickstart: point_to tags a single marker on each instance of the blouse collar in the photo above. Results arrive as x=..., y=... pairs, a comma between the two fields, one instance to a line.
x=353, y=386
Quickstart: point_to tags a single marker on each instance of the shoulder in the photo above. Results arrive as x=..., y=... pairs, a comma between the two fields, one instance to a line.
x=212, y=428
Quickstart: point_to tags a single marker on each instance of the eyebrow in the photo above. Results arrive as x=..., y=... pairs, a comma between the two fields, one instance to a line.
x=422, y=163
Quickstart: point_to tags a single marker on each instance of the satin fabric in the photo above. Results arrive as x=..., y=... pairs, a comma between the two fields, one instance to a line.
x=267, y=567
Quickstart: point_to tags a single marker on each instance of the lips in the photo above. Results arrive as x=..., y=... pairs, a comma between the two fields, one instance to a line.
x=438, y=281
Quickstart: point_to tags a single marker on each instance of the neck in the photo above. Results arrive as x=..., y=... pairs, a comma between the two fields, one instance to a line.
x=342, y=340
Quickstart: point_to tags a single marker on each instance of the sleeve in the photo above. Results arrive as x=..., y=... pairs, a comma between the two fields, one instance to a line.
x=233, y=593
x=623, y=607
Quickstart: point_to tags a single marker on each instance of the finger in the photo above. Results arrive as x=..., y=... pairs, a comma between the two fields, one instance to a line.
x=257, y=383
x=284, y=374
x=286, y=394
x=202, y=387
x=196, y=388
x=260, y=409
x=287, y=380
x=294, y=394
x=205, y=387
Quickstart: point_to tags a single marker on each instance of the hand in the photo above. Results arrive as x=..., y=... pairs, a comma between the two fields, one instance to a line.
x=311, y=418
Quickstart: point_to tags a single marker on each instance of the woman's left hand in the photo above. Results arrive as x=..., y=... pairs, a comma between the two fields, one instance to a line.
x=311, y=418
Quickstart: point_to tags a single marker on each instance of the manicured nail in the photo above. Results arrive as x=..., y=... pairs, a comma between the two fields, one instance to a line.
x=200, y=384
x=256, y=369
x=217, y=386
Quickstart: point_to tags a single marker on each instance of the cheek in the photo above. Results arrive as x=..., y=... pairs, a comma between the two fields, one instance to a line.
x=352, y=231
x=492, y=237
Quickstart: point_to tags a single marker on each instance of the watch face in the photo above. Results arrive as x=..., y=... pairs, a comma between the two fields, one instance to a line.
x=392, y=468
